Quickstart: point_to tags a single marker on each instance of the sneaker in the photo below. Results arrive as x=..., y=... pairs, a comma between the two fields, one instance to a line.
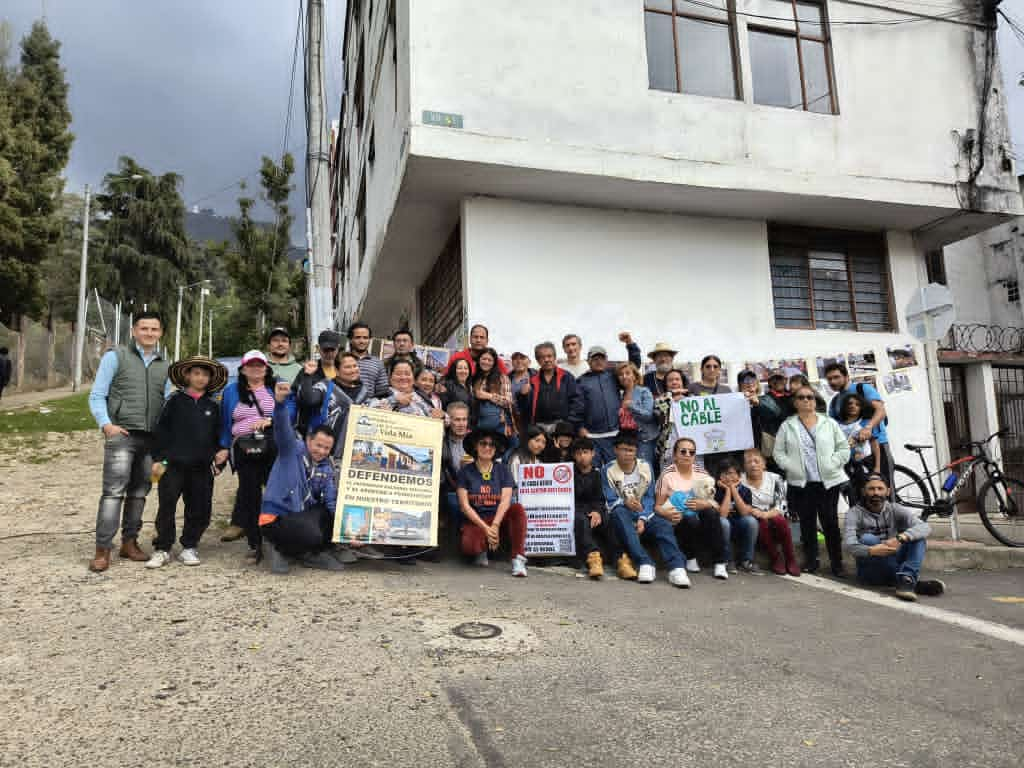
x=677, y=578
x=624, y=568
x=158, y=558
x=321, y=561
x=905, y=589
x=345, y=556
x=692, y=565
x=731, y=567
x=519, y=566
x=646, y=574
x=929, y=587
x=253, y=557
x=232, y=533
x=720, y=572
x=481, y=560
x=189, y=556
x=595, y=566
x=749, y=567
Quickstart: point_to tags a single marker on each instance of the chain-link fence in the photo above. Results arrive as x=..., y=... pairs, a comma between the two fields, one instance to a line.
x=43, y=358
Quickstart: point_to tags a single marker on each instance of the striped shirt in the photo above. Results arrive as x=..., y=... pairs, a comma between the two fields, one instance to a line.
x=371, y=370
x=245, y=417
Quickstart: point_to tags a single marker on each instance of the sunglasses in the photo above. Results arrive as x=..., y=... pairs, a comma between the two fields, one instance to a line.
x=686, y=452
x=803, y=397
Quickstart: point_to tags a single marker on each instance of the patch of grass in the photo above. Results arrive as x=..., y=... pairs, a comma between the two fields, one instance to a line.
x=67, y=414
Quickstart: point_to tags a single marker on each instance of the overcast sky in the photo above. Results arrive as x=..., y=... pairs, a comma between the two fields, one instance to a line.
x=201, y=86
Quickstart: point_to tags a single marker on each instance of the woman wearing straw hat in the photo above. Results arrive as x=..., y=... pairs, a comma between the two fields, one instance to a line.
x=185, y=445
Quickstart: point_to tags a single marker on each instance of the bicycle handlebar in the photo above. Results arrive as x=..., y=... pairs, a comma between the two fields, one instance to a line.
x=986, y=441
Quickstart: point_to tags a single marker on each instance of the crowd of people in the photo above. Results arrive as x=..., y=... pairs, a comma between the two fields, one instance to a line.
x=640, y=487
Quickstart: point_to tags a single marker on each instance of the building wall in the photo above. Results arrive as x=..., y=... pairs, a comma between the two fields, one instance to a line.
x=554, y=85
x=977, y=269
x=536, y=272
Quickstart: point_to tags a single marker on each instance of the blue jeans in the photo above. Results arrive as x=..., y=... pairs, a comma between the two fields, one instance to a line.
x=126, y=469
x=604, y=450
x=656, y=529
x=744, y=530
x=646, y=452
x=884, y=571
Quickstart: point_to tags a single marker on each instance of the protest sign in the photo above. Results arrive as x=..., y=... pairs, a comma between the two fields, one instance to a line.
x=390, y=479
x=546, y=493
x=716, y=423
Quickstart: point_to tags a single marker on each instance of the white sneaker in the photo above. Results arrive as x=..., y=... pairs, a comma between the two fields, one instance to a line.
x=720, y=572
x=481, y=560
x=518, y=566
x=645, y=574
x=677, y=578
x=158, y=558
x=692, y=565
x=189, y=556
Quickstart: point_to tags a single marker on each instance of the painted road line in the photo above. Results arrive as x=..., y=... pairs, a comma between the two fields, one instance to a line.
x=1008, y=599
x=982, y=627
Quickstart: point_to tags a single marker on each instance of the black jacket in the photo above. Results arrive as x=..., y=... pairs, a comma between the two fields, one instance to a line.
x=188, y=431
x=5, y=371
x=300, y=388
x=588, y=491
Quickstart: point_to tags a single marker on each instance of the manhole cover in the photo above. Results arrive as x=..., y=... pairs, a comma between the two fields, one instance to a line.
x=476, y=630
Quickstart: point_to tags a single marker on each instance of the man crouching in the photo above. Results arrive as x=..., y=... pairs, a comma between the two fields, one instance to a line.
x=298, y=504
x=888, y=542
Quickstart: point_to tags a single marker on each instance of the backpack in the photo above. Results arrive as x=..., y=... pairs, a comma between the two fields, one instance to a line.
x=320, y=417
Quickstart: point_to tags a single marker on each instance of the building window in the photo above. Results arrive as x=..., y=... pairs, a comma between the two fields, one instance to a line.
x=440, y=296
x=935, y=266
x=829, y=279
x=690, y=47
x=1012, y=292
x=790, y=58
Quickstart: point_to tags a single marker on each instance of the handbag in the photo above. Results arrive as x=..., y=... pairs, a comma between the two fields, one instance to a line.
x=767, y=445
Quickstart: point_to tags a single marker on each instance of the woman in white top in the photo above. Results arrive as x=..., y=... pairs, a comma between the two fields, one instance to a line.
x=812, y=450
x=768, y=499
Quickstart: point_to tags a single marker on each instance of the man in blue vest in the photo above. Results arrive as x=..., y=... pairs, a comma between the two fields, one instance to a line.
x=126, y=400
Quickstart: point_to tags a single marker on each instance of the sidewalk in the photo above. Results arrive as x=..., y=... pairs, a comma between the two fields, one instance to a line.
x=16, y=400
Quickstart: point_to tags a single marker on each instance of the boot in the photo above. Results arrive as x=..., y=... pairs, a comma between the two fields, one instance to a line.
x=595, y=566
x=278, y=562
x=130, y=550
x=101, y=561
x=232, y=533
x=625, y=568
x=792, y=566
x=767, y=538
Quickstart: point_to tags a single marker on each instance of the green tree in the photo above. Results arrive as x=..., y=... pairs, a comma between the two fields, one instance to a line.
x=34, y=147
x=142, y=253
x=59, y=270
x=267, y=286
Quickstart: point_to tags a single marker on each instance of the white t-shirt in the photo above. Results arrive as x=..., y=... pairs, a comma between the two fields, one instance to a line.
x=576, y=370
x=809, y=451
x=770, y=494
x=860, y=450
x=631, y=484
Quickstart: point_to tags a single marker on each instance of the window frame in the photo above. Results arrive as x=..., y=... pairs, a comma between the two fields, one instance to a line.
x=729, y=22
x=852, y=244
x=797, y=36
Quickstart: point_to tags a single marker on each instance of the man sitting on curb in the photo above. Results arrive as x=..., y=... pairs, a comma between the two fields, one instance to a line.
x=888, y=542
x=629, y=493
x=298, y=504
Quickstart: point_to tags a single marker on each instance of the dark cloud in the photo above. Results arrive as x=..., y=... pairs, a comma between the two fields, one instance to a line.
x=191, y=86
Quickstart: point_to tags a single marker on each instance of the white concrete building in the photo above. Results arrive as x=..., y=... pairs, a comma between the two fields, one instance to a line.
x=755, y=178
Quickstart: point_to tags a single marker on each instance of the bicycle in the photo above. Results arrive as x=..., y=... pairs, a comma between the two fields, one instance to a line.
x=1000, y=500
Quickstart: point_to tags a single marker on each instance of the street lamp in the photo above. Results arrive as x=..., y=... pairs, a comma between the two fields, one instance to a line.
x=203, y=292
x=177, y=325
x=79, y=351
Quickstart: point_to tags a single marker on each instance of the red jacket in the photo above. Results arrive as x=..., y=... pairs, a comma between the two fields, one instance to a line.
x=467, y=355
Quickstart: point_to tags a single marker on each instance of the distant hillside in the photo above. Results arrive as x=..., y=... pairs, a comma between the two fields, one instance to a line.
x=204, y=225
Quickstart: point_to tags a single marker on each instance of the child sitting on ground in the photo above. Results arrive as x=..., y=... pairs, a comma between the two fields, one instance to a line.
x=186, y=456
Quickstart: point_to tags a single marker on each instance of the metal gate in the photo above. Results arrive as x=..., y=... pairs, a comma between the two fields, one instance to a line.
x=958, y=420
x=1009, y=386
x=440, y=296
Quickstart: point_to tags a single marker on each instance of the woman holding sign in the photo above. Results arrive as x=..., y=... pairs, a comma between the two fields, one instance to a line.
x=403, y=397
x=675, y=386
x=812, y=450
x=485, y=499
x=710, y=384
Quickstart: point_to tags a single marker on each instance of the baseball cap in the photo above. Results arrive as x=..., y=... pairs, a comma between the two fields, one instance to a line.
x=520, y=354
x=253, y=355
x=329, y=340
x=596, y=351
x=279, y=331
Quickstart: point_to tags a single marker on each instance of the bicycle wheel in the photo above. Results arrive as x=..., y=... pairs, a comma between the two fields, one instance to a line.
x=909, y=489
x=1001, y=508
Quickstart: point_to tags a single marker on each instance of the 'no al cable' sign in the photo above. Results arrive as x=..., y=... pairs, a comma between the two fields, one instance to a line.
x=716, y=423
x=546, y=493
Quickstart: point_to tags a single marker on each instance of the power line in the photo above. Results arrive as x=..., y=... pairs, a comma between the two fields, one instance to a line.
x=914, y=17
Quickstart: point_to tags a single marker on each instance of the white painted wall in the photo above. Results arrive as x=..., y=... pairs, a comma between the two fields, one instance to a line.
x=975, y=269
x=535, y=272
x=557, y=85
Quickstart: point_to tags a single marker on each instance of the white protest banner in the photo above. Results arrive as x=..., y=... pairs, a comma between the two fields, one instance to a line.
x=546, y=493
x=716, y=423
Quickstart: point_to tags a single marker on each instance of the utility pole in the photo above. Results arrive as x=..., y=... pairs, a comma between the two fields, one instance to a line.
x=319, y=301
x=177, y=325
x=209, y=340
x=82, y=278
x=199, y=344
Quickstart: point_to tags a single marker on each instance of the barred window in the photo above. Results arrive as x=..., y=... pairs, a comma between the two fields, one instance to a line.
x=829, y=279
x=440, y=296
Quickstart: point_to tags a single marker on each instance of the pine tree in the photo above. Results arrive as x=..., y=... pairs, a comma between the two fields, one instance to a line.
x=34, y=147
